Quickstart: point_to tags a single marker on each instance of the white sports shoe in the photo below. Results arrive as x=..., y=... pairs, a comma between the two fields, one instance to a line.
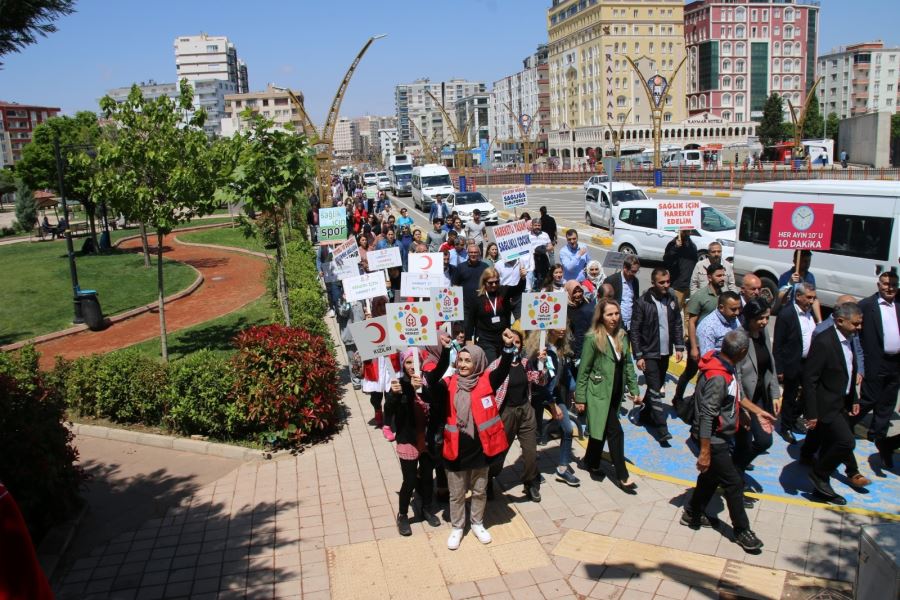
x=456, y=536
x=481, y=533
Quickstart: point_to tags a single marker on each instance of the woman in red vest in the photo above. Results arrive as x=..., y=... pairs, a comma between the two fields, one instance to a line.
x=473, y=432
x=377, y=376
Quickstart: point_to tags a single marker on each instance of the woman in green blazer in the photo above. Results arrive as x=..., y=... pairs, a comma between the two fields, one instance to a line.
x=603, y=375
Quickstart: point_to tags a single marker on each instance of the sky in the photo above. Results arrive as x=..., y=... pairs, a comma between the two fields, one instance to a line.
x=308, y=44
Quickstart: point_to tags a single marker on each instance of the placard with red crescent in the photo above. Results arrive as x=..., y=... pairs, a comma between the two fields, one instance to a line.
x=371, y=338
x=430, y=263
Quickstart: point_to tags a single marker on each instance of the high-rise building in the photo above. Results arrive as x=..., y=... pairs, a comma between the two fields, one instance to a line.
x=525, y=93
x=150, y=90
x=210, y=63
x=273, y=103
x=859, y=78
x=592, y=85
x=388, y=140
x=413, y=104
x=6, y=159
x=473, y=119
x=346, y=133
x=740, y=51
x=17, y=122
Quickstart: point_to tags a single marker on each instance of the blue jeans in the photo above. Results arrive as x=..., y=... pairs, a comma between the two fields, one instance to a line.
x=565, y=442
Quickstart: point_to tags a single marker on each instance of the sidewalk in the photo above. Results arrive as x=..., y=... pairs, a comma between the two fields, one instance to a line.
x=321, y=525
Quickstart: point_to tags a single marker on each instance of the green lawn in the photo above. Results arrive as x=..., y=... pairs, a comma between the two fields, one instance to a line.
x=222, y=236
x=215, y=335
x=123, y=233
x=37, y=295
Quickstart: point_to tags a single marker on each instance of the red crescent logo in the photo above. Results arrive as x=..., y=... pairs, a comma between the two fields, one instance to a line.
x=430, y=262
x=380, y=331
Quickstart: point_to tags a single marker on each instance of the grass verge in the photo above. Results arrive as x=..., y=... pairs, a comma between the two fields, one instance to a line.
x=223, y=236
x=37, y=295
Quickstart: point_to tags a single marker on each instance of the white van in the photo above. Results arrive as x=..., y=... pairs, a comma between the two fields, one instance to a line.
x=430, y=182
x=602, y=201
x=684, y=158
x=635, y=230
x=864, y=236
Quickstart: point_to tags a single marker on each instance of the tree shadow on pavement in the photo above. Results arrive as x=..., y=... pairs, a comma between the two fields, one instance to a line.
x=164, y=536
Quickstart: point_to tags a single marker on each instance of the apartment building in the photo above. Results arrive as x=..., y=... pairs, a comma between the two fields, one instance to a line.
x=859, y=78
x=150, y=90
x=17, y=122
x=593, y=88
x=740, y=51
x=524, y=95
x=412, y=103
x=346, y=134
x=273, y=103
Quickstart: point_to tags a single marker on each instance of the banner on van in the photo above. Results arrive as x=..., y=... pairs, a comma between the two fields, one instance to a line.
x=801, y=226
x=678, y=215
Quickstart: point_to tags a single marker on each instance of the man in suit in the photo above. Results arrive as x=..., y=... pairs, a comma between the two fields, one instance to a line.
x=880, y=339
x=829, y=394
x=657, y=330
x=626, y=287
x=793, y=336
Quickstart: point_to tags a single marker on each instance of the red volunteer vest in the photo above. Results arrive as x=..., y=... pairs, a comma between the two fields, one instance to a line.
x=487, y=420
x=370, y=367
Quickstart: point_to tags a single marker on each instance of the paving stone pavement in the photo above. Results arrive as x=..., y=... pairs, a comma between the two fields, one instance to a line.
x=321, y=525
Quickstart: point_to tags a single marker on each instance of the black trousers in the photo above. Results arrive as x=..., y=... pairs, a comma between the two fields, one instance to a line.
x=653, y=412
x=615, y=437
x=722, y=471
x=750, y=443
x=836, y=444
x=879, y=396
x=813, y=444
x=376, y=398
x=790, y=401
x=690, y=369
x=418, y=476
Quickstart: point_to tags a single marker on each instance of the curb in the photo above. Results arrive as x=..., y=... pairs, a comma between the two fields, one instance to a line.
x=171, y=442
x=692, y=192
x=225, y=248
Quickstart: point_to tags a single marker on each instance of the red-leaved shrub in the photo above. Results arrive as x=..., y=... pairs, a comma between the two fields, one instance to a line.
x=287, y=379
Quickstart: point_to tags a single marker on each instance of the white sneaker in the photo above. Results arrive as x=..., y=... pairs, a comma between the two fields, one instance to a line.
x=481, y=533
x=330, y=312
x=456, y=536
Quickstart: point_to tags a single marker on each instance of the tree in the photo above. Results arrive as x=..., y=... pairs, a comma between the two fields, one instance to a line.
x=26, y=209
x=833, y=128
x=273, y=167
x=813, y=124
x=771, y=130
x=158, y=166
x=7, y=183
x=21, y=23
x=78, y=138
x=895, y=126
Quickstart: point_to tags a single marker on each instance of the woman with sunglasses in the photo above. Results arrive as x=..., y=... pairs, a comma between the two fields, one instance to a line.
x=490, y=315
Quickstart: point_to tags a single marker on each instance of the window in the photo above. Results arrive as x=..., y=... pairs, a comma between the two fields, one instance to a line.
x=620, y=101
x=739, y=83
x=788, y=32
x=739, y=100
x=740, y=14
x=789, y=14
x=726, y=99
x=639, y=217
x=726, y=48
x=740, y=49
x=667, y=117
x=212, y=48
x=740, y=31
x=726, y=114
x=726, y=83
x=755, y=225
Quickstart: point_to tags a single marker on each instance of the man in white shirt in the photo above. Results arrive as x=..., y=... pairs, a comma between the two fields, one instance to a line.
x=538, y=238
x=475, y=230
x=880, y=339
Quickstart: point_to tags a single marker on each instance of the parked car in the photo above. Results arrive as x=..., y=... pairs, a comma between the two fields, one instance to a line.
x=594, y=180
x=601, y=201
x=465, y=203
x=684, y=158
x=635, y=230
x=865, y=234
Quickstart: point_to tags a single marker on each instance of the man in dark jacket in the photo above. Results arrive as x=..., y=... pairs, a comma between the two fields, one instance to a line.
x=829, y=396
x=548, y=224
x=656, y=328
x=794, y=330
x=880, y=339
x=626, y=286
x=680, y=259
x=468, y=275
x=716, y=420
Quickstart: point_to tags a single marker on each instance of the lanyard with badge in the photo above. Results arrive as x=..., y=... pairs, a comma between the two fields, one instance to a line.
x=496, y=318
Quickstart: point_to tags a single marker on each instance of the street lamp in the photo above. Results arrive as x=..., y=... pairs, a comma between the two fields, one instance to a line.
x=70, y=248
x=656, y=88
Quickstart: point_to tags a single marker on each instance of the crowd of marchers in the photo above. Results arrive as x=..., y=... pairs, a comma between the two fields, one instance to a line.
x=488, y=384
